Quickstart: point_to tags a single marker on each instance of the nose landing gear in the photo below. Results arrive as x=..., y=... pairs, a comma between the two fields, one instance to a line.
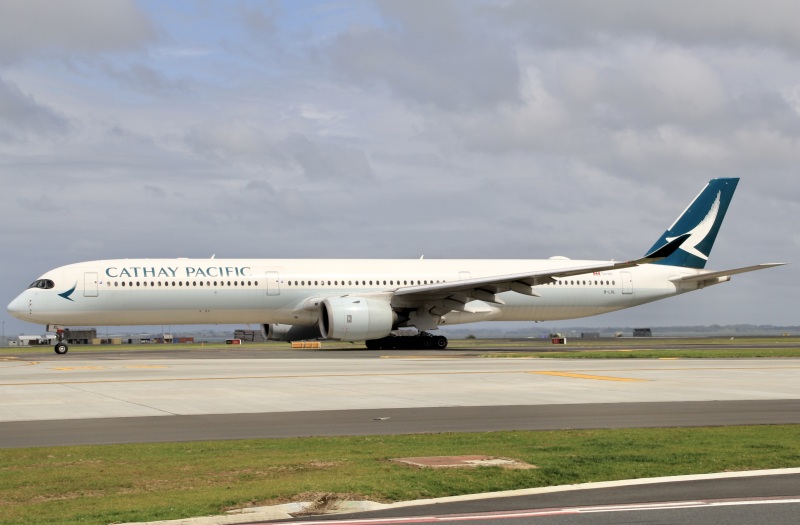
x=61, y=346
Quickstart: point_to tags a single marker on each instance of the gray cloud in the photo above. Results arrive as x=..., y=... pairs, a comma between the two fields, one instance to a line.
x=30, y=28
x=22, y=117
x=154, y=192
x=430, y=53
x=230, y=140
x=289, y=157
x=260, y=21
x=396, y=129
x=326, y=161
x=146, y=79
x=716, y=23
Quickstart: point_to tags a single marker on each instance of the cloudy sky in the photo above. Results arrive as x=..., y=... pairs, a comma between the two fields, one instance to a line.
x=358, y=128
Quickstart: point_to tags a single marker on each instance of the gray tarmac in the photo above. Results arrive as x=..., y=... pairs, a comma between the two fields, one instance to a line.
x=136, y=397
x=103, y=431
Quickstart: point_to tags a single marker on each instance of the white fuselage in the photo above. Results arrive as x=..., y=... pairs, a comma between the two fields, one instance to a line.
x=265, y=291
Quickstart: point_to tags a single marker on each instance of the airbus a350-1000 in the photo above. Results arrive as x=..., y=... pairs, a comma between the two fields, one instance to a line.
x=368, y=300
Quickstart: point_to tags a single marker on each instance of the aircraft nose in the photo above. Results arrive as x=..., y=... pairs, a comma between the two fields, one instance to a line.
x=18, y=307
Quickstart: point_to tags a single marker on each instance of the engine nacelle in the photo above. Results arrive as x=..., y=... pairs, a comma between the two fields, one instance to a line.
x=289, y=332
x=355, y=318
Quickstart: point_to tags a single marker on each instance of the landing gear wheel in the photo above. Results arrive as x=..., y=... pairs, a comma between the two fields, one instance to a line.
x=441, y=342
x=61, y=348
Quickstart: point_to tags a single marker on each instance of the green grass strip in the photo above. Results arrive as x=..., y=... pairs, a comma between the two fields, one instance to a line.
x=124, y=483
x=730, y=353
x=746, y=346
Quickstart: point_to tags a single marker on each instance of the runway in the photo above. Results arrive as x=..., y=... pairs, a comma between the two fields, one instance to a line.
x=134, y=398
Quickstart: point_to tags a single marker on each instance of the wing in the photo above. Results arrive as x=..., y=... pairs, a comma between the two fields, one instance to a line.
x=454, y=295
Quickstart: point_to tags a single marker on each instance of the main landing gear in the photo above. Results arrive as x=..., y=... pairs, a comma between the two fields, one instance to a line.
x=422, y=341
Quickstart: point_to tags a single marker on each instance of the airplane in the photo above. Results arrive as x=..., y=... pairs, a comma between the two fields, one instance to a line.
x=368, y=301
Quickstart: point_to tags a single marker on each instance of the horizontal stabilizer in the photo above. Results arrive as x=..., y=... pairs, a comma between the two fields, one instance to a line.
x=725, y=273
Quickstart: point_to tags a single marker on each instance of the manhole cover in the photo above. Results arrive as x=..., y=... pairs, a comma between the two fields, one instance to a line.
x=464, y=461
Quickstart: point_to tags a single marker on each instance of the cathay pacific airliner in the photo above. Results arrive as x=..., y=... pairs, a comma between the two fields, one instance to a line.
x=371, y=299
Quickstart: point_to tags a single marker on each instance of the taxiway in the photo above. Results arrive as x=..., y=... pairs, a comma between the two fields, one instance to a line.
x=132, y=397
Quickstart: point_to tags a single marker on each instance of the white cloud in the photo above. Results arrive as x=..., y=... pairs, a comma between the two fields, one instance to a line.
x=538, y=122
x=668, y=145
x=677, y=85
x=229, y=140
x=792, y=97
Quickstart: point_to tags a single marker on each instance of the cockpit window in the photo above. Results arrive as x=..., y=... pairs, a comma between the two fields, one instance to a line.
x=44, y=284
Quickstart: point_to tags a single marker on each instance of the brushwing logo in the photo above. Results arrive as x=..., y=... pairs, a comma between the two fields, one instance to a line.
x=701, y=231
x=66, y=295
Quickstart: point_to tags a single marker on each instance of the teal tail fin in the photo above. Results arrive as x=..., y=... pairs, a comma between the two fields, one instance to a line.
x=701, y=220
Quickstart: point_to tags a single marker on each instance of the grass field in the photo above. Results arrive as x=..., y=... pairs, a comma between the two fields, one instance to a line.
x=654, y=353
x=123, y=483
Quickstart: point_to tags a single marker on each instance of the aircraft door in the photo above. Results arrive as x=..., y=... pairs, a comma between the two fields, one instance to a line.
x=273, y=283
x=90, y=287
x=627, y=282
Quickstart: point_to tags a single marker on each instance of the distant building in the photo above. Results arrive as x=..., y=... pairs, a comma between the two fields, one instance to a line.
x=642, y=332
x=169, y=338
x=254, y=336
x=140, y=339
x=34, y=340
x=80, y=337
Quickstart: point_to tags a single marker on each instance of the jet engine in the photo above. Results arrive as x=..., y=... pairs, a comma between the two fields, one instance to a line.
x=290, y=332
x=355, y=318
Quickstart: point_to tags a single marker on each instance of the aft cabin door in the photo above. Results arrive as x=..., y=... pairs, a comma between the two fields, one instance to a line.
x=627, y=282
x=90, y=284
x=273, y=283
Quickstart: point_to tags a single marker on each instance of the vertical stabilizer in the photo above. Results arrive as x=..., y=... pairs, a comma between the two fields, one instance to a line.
x=701, y=220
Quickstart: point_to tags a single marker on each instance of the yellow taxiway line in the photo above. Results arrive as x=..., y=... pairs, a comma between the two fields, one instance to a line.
x=586, y=376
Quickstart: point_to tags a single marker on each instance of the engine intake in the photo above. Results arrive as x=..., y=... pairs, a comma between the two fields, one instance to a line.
x=289, y=332
x=355, y=318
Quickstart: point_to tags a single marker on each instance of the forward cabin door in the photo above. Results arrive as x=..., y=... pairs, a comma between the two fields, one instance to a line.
x=273, y=283
x=90, y=284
